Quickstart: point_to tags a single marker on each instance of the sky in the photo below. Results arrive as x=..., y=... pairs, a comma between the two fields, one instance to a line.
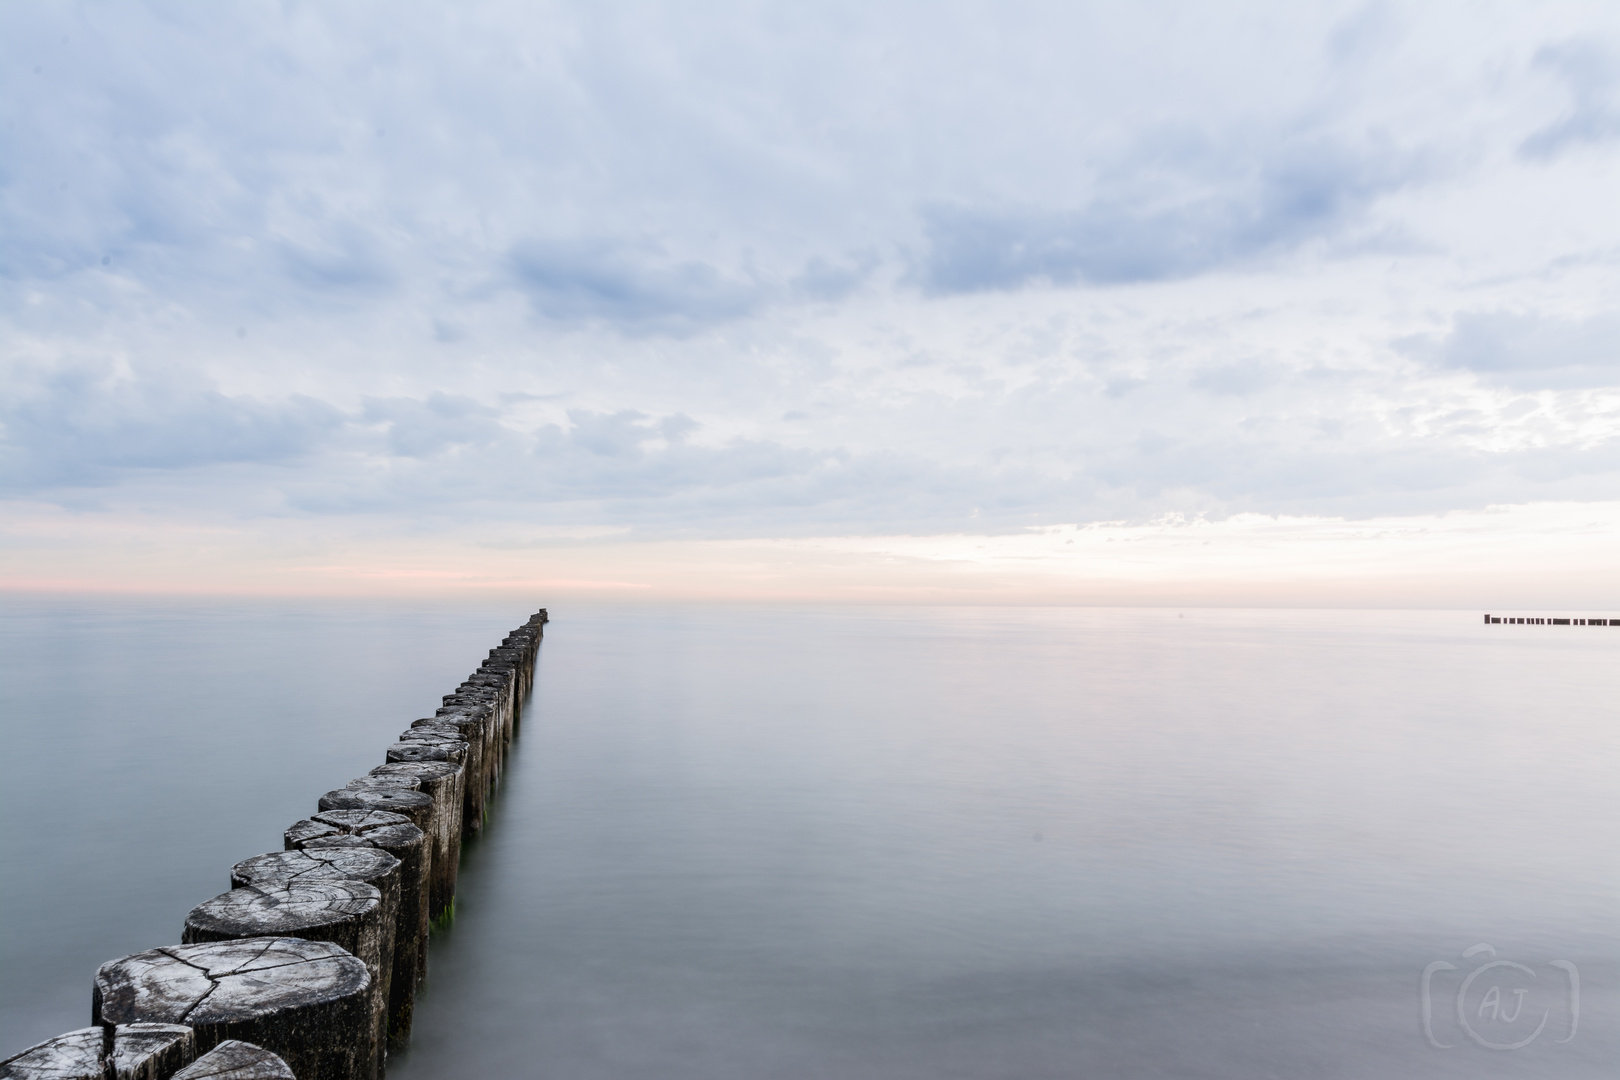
x=1280, y=303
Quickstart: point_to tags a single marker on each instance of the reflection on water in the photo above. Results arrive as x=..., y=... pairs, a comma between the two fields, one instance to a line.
x=911, y=843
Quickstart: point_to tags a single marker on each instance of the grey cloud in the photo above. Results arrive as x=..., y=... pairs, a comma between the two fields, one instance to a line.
x=619, y=434
x=423, y=427
x=1235, y=379
x=1361, y=33
x=1174, y=210
x=344, y=259
x=1527, y=351
x=1592, y=75
x=621, y=467
x=747, y=171
x=88, y=425
x=825, y=280
x=631, y=286
x=628, y=454
x=450, y=456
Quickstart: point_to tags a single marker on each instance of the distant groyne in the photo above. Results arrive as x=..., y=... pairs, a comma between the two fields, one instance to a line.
x=1534, y=620
x=308, y=965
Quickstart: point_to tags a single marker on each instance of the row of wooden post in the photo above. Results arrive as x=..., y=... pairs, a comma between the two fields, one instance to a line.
x=1538, y=620
x=308, y=966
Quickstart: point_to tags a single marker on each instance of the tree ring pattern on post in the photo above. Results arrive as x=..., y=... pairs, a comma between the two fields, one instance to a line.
x=345, y=912
x=304, y=1000
x=342, y=830
x=413, y=804
x=150, y=1051
x=139, y=1051
x=236, y=1060
x=77, y=1055
x=371, y=865
x=441, y=781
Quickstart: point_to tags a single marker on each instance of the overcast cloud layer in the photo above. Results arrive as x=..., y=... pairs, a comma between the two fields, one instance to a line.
x=823, y=269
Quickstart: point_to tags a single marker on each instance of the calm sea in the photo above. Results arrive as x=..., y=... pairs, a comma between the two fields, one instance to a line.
x=876, y=843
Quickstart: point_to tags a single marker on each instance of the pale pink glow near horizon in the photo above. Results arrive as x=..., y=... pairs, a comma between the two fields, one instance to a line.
x=1509, y=557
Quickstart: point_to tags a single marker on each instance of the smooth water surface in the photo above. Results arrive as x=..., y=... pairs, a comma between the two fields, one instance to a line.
x=744, y=842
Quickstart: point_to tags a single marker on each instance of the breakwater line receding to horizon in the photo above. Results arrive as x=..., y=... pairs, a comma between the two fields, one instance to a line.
x=308, y=966
x=1536, y=620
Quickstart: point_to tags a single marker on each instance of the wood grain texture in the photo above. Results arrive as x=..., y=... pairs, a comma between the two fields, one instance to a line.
x=441, y=781
x=344, y=912
x=150, y=1051
x=76, y=1055
x=375, y=867
x=304, y=1000
x=236, y=1060
x=339, y=830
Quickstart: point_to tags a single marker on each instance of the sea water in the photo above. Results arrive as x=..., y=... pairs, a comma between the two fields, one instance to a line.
x=882, y=842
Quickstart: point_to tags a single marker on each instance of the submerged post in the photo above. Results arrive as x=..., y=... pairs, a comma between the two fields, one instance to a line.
x=343, y=912
x=374, y=867
x=338, y=830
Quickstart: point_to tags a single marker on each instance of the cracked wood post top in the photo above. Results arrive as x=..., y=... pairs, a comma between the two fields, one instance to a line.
x=440, y=781
x=374, y=866
x=305, y=1000
x=413, y=804
x=350, y=830
x=296, y=909
x=76, y=1055
x=376, y=828
x=126, y=1052
x=236, y=1060
x=282, y=986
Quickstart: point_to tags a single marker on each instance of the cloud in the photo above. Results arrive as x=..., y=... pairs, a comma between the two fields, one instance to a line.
x=637, y=287
x=1182, y=204
x=827, y=280
x=341, y=259
x=1592, y=75
x=420, y=428
x=1527, y=351
x=89, y=424
x=1235, y=379
x=842, y=267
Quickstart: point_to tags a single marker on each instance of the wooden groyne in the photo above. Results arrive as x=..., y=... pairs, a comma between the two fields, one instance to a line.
x=307, y=967
x=1538, y=620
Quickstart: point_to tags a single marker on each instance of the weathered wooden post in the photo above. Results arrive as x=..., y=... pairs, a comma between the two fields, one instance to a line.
x=77, y=1055
x=442, y=782
x=233, y=1060
x=304, y=1000
x=392, y=800
x=463, y=744
x=150, y=1051
x=338, y=830
x=344, y=912
x=469, y=697
x=137, y=1051
x=412, y=804
x=507, y=663
x=498, y=678
x=474, y=717
x=375, y=867
x=438, y=824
